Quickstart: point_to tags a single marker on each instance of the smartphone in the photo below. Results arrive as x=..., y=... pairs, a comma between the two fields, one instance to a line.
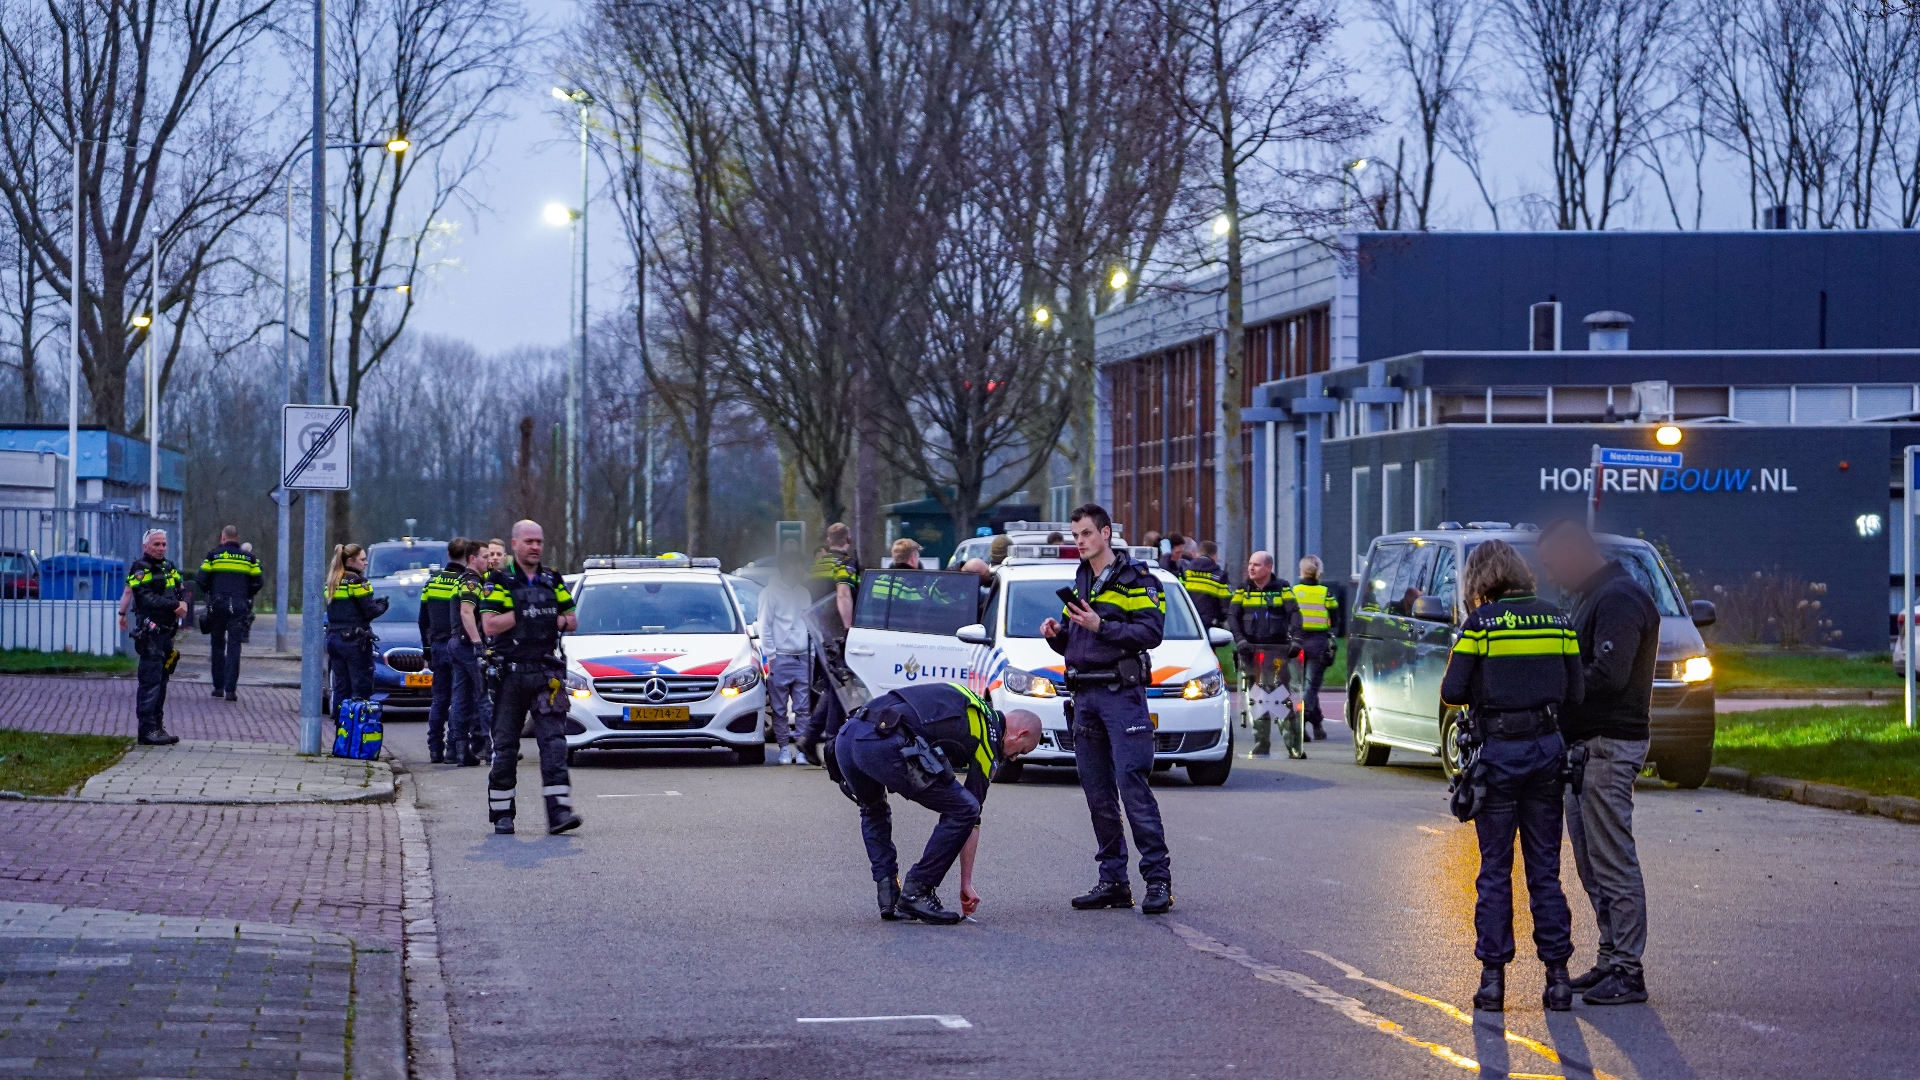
x=1068, y=597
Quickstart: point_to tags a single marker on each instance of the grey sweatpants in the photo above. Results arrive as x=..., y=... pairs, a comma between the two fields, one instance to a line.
x=1600, y=823
x=788, y=678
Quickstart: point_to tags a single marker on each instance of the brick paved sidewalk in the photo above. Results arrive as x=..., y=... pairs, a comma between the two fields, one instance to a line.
x=92, y=705
x=90, y=992
x=236, y=772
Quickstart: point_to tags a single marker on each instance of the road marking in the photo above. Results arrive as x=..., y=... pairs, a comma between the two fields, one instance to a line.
x=1429, y=829
x=951, y=1022
x=1537, y=1047
x=637, y=795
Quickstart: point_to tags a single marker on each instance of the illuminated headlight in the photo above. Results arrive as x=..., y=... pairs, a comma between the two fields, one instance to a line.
x=578, y=686
x=1696, y=669
x=1026, y=682
x=1203, y=687
x=739, y=681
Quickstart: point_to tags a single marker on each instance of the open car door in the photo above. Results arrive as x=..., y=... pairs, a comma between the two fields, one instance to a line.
x=903, y=627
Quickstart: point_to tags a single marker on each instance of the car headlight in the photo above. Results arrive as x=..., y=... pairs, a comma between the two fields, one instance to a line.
x=1203, y=687
x=1696, y=669
x=578, y=686
x=739, y=681
x=1026, y=682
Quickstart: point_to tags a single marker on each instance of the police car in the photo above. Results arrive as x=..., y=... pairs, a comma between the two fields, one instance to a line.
x=914, y=626
x=663, y=658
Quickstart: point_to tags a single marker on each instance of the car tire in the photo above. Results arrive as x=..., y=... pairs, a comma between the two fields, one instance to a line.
x=1449, y=749
x=1365, y=753
x=1686, y=769
x=1009, y=773
x=751, y=755
x=1212, y=773
x=572, y=756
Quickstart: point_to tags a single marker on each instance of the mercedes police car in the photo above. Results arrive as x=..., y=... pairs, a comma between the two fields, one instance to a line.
x=915, y=626
x=663, y=658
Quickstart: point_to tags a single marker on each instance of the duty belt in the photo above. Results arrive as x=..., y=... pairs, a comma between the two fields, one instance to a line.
x=1524, y=724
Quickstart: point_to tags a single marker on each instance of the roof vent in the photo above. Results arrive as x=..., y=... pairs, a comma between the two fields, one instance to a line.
x=1607, y=330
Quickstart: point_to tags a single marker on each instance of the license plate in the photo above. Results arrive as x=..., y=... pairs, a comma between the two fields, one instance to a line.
x=1154, y=719
x=424, y=678
x=657, y=714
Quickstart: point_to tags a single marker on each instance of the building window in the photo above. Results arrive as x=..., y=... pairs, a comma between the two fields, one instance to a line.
x=1763, y=405
x=1822, y=404
x=1392, y=518
x=1877, y=401
x=1363, y=514
x=1059, y=502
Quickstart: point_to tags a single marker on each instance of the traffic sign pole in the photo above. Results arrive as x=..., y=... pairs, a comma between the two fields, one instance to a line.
x=1593, y=486
x=316, y=454
x=1908, y=508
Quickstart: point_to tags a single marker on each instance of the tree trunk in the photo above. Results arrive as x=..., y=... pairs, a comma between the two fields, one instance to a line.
x=869, y=531
x=1230, y=534
x=699, y=482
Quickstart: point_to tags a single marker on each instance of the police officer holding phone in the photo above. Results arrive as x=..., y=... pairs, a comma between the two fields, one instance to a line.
x=1116, y=613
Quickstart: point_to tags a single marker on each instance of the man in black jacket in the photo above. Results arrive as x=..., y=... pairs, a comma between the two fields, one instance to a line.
x=1118, y=615
x=1619, y=631
x=229, y=577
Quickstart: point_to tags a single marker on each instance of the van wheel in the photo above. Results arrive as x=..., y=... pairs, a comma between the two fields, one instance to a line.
x=1009, y=773
x=1449, y=747
x=1687, y=770
x=1359, y=718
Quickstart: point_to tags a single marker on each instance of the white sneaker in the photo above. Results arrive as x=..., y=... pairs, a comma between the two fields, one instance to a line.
x=786, y=756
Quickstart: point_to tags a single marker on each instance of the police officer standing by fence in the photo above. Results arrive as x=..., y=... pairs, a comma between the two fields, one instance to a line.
x=1257, y=616
x=439, y=624
x=527, y=612
x=151, y=607
x=229, y=576
x=1118, y=614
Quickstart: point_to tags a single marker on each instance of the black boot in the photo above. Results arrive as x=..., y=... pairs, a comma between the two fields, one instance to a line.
x=1591, y=979
x=1492, y=995
x=560, y=815
x=925, y=906
x=1559, y=994
x=1159, y=898
x=434, y=756
x=1107, y=894
x=231, y=696
x=217, y=692
x=1618, y=988
x=889, y=891
x=156, y=735
x=503, y=826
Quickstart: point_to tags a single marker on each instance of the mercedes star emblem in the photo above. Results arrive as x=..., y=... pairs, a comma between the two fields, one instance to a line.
x=654, y=690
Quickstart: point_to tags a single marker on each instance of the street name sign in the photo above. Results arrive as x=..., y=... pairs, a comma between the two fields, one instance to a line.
x=1640, y=459
x=316, y=447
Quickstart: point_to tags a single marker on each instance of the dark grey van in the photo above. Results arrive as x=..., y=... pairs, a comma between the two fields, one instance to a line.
x=1406, y=612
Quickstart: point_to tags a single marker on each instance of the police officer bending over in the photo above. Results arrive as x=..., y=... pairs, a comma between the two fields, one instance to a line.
x=1118, y=614
x=1515, y=667
x=229, y=575
x=151, y=608
x=526, y=614
x=912, y=741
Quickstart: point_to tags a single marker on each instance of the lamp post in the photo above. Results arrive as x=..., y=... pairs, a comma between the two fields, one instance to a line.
x=1349, y=183
x=577, y=371
x=149, y=320
x=283, y=499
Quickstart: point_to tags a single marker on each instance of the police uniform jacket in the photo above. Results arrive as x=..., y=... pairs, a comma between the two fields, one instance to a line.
x=351, y=607
x=1132, y=612
x=467, y=592
x=227, y=573
x=1515, y=654
x=536, y=603
x=1257, y=614
x=832, y=569
x=156, y=587
x=1313, y=608
x=1207, y=583
x=954, y=720
x=439, y=615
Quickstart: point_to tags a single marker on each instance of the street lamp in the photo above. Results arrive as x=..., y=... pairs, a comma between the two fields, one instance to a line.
x=1222, y=225
x=1667, y=435
x=1041, y=316
x=577, y=373
x=1350, y=183
x=1118, y=279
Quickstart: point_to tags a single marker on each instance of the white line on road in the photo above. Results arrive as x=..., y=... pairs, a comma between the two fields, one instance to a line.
x=954, y=1022
x=637, y=795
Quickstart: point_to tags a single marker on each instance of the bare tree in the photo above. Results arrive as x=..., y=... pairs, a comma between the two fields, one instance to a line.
x=1433, y=43
x=157, y=100
x=434, y=72
x=1264, y=89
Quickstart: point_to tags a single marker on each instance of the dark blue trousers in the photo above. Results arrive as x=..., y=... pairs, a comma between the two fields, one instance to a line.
x=227, y=632
x=150, y=702
x=1523, y=797
x=352, y=664
x=872, y=765
x=1113, y=749
x=470, y=716
x=440, y=661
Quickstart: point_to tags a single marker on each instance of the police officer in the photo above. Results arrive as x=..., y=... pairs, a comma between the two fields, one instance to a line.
x=1207, y=583
x=351, y=610
x=1118, y=615
x=527, y=612
x=1256, y=614
x=835, y=574
x=439, y=625
x=473, y=731
x=1515, y=666
x=151, y=607
x=229, y=576
x=1315, y=619
x=912, y=741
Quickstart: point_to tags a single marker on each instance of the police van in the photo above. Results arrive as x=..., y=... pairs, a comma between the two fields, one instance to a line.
x=663, y=658
x=914, y=626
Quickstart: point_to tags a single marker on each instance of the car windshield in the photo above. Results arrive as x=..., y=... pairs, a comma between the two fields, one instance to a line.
x=384, y=559
x=403, y=603
x=12, y=562
x=1030, y=603
x=747, y=591
x=655, y=607
x=1642, y=562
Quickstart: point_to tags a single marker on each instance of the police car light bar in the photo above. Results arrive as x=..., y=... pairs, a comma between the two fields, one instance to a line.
x=1065, y=528
x=1028, y=554
x=638, y=562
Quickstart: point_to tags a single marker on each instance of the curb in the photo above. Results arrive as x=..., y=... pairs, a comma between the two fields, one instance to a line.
x=373, y=793
x=1813, y=793
x=379, y=1050
x=1830, y=693
x=429, y=1025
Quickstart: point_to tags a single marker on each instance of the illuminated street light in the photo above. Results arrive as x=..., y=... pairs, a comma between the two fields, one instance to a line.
x=142, y=321
x=1667, y=435
x=1222, y=225
x=1356, y=165
x=1042, y=316
x=558, y=214
x=398, y=145
x=1118, y=279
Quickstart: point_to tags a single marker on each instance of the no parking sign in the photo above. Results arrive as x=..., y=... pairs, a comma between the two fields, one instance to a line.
x=316, y=447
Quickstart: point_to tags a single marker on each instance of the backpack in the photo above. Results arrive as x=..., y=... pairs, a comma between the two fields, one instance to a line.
x=357, y=730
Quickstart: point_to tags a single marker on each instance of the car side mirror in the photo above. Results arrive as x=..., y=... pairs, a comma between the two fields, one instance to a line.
x=1703, y=613
x=973, y=634
x=1432, y=609
x=1219, y=635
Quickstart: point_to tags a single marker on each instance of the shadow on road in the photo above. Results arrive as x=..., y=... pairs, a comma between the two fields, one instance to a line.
x=514, y=853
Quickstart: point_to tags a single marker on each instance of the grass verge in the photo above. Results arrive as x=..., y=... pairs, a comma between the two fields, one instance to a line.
x=1859, y=746
x=36, y=763
x=30, y=662
x=1746, y=668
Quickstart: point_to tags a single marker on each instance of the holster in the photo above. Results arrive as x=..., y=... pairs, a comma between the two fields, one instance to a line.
x=926, y=765
x=553, y=700
x=173, y=661
x=1573, y=770
x=1468, y=790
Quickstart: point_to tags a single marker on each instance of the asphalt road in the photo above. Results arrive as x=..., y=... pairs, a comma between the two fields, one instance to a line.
x=1322, y=928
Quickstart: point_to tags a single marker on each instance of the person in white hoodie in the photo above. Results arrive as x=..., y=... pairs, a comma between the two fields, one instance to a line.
x=787, y=645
